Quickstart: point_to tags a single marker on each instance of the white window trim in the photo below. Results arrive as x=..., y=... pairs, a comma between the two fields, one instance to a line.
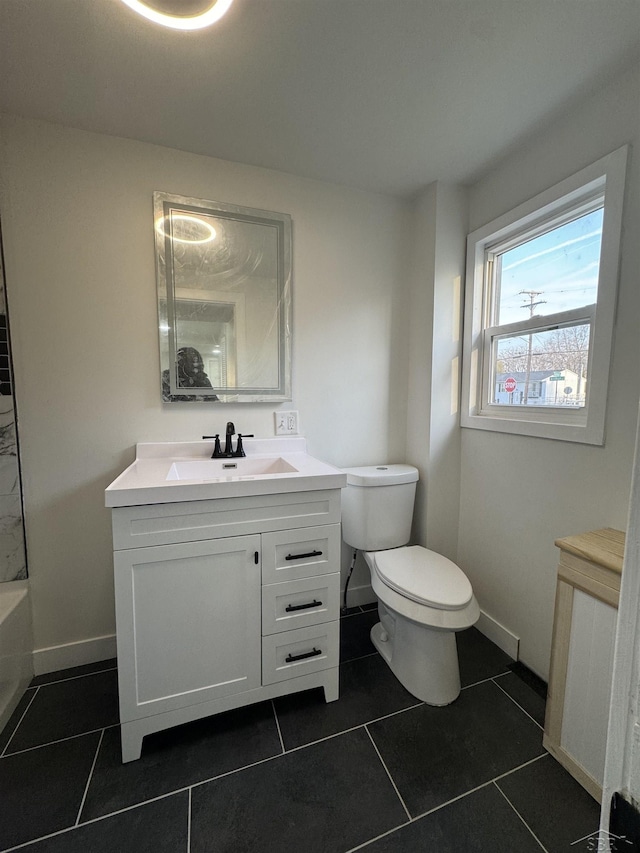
x=586, y=425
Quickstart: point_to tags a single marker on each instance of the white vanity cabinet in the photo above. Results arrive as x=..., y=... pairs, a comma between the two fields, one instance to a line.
x=221, y=603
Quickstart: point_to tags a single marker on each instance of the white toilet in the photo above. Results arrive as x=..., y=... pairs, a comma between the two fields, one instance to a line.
x=423, y=598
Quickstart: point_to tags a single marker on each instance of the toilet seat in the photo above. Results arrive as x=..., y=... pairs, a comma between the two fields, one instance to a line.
x=423, y=576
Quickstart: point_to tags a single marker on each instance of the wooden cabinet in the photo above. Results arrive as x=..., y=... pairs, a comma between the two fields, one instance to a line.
x=223, y=603
x=587, y=594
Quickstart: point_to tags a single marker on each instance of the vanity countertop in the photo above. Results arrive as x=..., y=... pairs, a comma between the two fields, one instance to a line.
x=170, y=472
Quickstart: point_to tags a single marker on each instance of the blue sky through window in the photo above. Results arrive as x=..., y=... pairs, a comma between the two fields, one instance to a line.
x=561, y=266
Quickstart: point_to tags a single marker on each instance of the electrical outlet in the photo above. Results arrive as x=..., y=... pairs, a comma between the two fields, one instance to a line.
x=286, y=423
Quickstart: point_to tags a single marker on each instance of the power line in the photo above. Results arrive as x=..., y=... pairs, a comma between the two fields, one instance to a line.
x=532, y=295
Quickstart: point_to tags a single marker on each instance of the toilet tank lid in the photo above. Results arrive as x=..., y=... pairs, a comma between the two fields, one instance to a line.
x=381, y=475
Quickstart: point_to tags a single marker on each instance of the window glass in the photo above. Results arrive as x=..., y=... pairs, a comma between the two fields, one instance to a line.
x=555, y=271
x=540, y=302
x=546, y=368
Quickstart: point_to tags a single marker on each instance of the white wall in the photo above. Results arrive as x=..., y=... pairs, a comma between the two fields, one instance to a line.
x=433, y=435
x=443, y=474
x=420, y=337
x=77, y=228
x=519, y=494
x=78, y=238
x=430, y=327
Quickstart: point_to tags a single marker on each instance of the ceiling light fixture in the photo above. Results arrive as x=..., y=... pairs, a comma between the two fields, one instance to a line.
x=188, y=225
x=181, y=22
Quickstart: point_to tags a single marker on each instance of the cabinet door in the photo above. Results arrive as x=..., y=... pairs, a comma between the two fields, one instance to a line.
x=188, y=623
x=588, y=685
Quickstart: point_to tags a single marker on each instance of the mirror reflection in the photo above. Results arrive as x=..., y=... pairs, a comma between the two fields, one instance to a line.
x=224, y=301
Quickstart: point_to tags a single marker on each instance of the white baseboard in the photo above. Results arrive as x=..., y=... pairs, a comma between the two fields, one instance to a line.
x=487, y=625
x=498, y=634
x=67, y=655
x=359, y=595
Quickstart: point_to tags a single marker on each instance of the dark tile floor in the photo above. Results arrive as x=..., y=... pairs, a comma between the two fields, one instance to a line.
x=377, y=771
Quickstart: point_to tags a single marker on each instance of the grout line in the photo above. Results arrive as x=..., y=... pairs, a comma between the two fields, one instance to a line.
x=189, y=823
x=8, y=743
x=450, y=802
x=227, y=773
x=59, y=740
x=378, y=837
x=325, y=738
x=453, y=800
x=275, y=714
x=484, y=680
x=190, y=787
x=265, y=760
x=284, y=750
x=518, y=705
x=519, y=767
x=354, y=728
x=86, y=787
x=92, y=820
x=356, y=613
x=387, y=771
x=297, y=748
x=75, y=677
x=502, y=674
x=521, y=818
x=360, y=657
x=479, y=787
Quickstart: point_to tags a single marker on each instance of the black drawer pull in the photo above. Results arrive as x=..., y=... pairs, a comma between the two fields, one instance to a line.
x=302, y=556
x=312, y=654
x=291, y=607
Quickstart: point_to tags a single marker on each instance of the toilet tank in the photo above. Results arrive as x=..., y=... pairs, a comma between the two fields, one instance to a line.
x=377, y=506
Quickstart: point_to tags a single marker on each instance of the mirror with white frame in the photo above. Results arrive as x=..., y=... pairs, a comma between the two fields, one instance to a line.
x=224, y=301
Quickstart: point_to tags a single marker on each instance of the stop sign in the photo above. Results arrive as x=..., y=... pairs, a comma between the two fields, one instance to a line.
x=510, y=385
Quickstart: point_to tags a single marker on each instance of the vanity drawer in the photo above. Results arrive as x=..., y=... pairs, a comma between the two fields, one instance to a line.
x=299, y=652
x=303, y=553
x=295, y=604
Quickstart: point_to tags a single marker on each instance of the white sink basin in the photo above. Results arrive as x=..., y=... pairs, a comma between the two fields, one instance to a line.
x=223, y=469
x=169, y=472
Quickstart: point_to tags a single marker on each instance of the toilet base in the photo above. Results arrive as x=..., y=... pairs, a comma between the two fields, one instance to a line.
x=424, y=660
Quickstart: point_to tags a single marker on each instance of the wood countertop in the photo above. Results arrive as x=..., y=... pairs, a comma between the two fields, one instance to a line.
x=604, y=547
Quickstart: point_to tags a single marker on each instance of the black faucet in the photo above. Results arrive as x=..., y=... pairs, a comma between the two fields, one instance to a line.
x=228, y=445
x=228, y=452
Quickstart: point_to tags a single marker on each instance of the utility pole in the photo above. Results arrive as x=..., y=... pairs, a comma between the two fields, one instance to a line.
x=531, y=294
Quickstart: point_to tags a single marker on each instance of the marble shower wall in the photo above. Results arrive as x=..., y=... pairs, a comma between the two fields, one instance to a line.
x=13, y=564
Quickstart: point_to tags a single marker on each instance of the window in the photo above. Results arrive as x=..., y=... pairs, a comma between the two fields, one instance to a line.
x=540, y=306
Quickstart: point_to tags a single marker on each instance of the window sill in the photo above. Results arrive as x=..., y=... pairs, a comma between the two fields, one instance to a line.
x=576, y=429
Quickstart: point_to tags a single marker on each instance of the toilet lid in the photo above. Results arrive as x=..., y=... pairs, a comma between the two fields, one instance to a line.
x=424, y=576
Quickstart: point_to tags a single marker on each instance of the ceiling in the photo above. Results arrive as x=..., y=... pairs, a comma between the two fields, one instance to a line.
x=384, y=95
